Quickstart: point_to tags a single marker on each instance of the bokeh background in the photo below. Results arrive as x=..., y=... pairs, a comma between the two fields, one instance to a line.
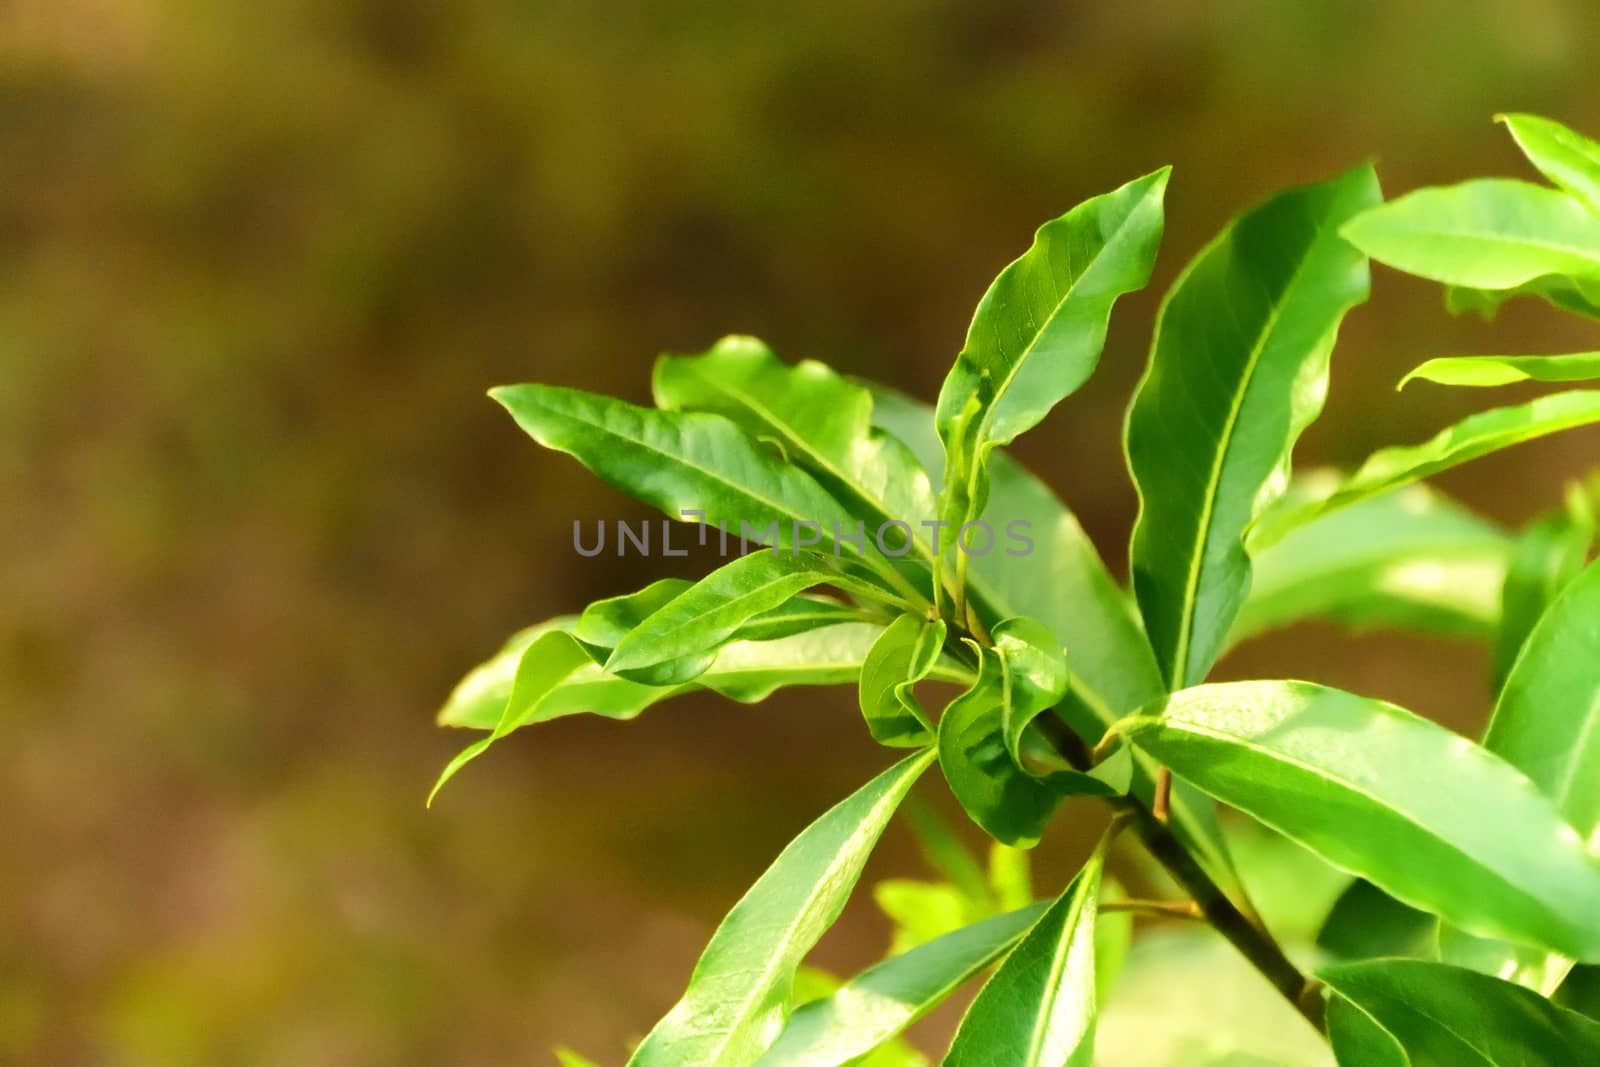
x=258, y=264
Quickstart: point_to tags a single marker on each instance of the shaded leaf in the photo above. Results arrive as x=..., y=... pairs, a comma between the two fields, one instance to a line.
x=1409, y=559
x=1038, y=1009
x=883, y=1000
x=1365, y=922
x=1391, y=797
x=739, y=994
x=1563, y=293
x=1358, y=1040
x=1237, y=370
x=1548, y=555
x=1450, y=1017
x=1492, y=233
x=1506, y=370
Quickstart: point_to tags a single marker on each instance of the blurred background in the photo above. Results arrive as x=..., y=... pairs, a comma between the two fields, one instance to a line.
x=258, y=264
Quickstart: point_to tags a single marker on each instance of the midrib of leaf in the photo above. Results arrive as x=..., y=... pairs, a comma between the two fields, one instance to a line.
x=771, y=967
x=1362, y=791
x=1579, y=753
x=1058, y=966
x=1027, y=350
x=1180, y=661
x=722, y=605
x=773, y=421
x=738, y=489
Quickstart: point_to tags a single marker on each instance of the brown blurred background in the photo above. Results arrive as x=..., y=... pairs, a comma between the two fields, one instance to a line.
x=258, y=264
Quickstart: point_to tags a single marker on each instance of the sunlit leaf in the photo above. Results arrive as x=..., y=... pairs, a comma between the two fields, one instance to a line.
x=1506, y=370
x=1563, y=155
x=739, y=995
x=1238, y=369
x=1392, y=797
x=902, y=656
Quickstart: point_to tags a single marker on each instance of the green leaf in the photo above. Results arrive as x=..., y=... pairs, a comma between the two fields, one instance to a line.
x=684, y=462
x=1358, y=1040
x=679, y=638
x=1391, y=797
x=1488, y=371
x=547, y=661
x=746, y=671
x=980, y=738
x=1450, y=1017
x=1238, y=369
x=902, y=656
x=1476, y=435
x=822, y=420
x=1366, y=922
x=1563, y=293
x=1038, y=1010
x=1037, y=333
x=918, y=912
x=1493, y=233
x=1548, y=555
x=1062, y=582
x=1547, y=720
x=1563, y=155
x=739, y=994
x=947, y=854
x=604, y=623
x=1408, y=559
x=883, y=1000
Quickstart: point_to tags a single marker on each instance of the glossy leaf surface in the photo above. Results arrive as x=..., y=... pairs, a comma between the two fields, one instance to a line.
x=739, y=994
x=1475, y=436
x=1409, y=559
x=1038, y=1010
x=1238, y=369
x=1485, y=371
x=1450, y=1017
x=1392, y=797
x=1037, y=333
x=902, y=656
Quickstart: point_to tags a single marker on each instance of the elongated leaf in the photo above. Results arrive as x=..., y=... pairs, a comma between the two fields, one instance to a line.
x=1493, y=233
x=1547, y=720
x=902, y=656
x=1059, y=579
x=1238, y=369
x=568, y=1058
x=883, y=1000
x=1038, y=1010
x=1563, y=155
x=1037, y=333
x=1506, y=370
x=739, y=994
x=1450, y=1017
x=1476, y=435
x=1391, y=797
x=746, y=671
x=679, y=638
x=604, y=623
x=1409, y=559
x=1547, y=556
x=822, y=420
x=547, y=661
x=684, y=462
